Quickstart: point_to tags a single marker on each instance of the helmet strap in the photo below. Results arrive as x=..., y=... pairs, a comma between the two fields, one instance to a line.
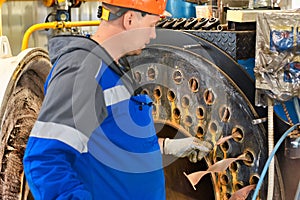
x=105, y=14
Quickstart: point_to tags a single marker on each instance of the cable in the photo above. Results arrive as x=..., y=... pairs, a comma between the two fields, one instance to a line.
x=270, y=149
x=270, y=158
x=297, y=195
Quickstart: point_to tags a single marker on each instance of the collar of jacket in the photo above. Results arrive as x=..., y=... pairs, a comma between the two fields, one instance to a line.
x=62, y=44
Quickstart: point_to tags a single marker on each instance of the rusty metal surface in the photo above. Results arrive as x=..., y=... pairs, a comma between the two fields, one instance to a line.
x=20, y=113
x=194, y=96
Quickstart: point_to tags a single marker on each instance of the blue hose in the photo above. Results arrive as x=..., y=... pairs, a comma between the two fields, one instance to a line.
x=265, y=169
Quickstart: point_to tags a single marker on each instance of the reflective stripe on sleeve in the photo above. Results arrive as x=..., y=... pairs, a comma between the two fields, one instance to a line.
x=63, y=133
x=115, y=95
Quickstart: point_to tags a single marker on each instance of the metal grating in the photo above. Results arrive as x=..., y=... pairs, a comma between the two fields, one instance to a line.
x=238, y=44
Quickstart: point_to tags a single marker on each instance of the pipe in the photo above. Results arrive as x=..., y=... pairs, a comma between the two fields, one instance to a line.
x=270, y=158
x=297, y=108
x=54, y=25
x=5, y=51
x=1, y=2
x=222, y=27
x=251, y=4
x=270, y=148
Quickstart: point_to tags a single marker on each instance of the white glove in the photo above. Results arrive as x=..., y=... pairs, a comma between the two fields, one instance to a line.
x=191, y=147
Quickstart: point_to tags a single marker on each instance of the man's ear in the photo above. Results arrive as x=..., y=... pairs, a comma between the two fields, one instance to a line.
x=128, y=19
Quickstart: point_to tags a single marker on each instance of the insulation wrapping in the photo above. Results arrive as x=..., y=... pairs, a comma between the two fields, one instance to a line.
x=277, y=56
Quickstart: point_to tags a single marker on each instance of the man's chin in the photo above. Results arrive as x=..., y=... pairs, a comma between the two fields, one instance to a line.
x=134, y=52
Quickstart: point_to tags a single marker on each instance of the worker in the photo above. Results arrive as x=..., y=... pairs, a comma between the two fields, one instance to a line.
x=94, y=137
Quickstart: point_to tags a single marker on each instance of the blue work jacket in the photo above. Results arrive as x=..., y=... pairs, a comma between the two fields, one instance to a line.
x=93, y=138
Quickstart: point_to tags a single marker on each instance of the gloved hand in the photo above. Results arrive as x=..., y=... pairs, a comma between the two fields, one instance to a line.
x=191, y=147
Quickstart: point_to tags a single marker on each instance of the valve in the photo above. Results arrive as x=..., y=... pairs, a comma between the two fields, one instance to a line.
x=61, y=9
x=62, y=15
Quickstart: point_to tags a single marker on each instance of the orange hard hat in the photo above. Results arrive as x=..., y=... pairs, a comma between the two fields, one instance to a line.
x=156, y=7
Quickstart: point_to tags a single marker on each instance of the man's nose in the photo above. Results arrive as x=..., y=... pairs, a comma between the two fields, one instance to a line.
x=153, y=33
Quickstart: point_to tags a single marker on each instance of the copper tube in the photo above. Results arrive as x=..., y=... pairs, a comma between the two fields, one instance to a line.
x=224, y=114
x=171, y=95
x=194, y=85
x=157, y=93
x=237, y=134
x=200, y=112
x=151, y=73
x=177, y=76
x=209, y=97
x=200, y=132
x=222, y=27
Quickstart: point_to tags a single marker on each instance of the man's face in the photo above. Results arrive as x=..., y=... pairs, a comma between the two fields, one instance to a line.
x=134, y=33
x=141, y=32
